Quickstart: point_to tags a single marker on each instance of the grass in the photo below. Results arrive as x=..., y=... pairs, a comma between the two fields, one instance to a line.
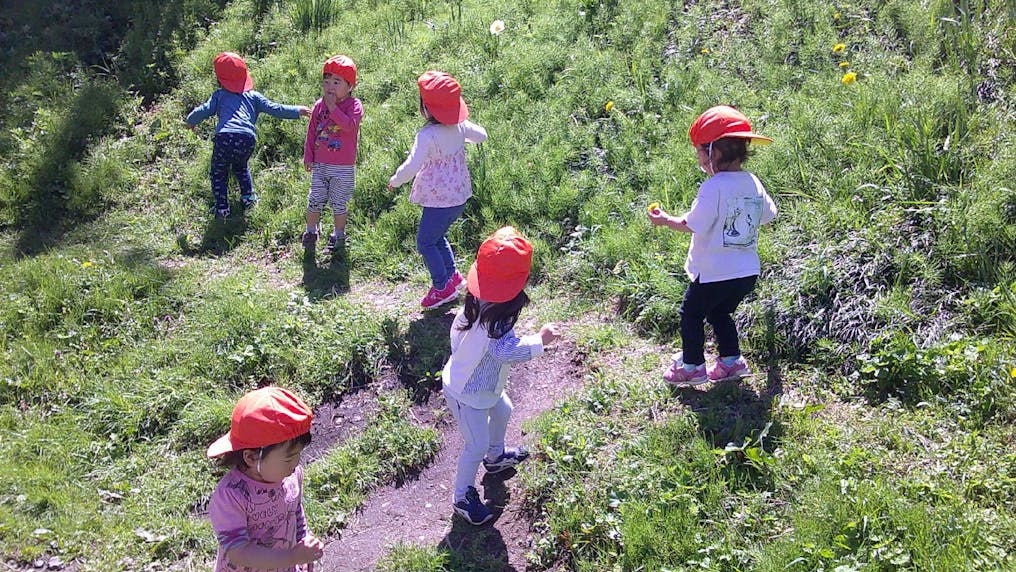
x=131, y=321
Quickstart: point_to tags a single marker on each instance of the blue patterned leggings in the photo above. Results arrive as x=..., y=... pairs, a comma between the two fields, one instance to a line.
x=231, y=151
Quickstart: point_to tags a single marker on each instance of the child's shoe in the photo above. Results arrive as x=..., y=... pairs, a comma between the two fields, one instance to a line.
x=309, y=240
x=472, y=508
x=458, y=281
x=435, y=297
x=335, y=241
x=678, y=375
x=724, y=372
x=508, y=459
x=223, y=214
x=249, y=201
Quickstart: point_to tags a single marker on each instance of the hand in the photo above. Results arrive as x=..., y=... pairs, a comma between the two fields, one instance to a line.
x=304, y=110
x=549, y=333
x=308, y=167
x=308, y=550
x=658, y=217
x=330, y=100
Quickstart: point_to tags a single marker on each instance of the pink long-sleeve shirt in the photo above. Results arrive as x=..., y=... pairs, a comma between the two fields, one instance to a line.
x=332, y=136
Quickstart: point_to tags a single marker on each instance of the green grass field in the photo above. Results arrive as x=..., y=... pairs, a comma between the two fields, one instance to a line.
x=878, y=434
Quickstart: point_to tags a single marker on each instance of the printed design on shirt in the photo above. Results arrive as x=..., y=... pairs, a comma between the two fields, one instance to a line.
x=268, y=518
x=442, y=176
x=740, y=226
x=328, y=133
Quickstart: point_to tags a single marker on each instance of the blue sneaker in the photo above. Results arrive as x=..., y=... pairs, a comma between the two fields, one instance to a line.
x=472, y=508
x=249, y=201
x=506, y=460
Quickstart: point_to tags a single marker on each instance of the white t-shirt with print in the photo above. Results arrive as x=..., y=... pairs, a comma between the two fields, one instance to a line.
x=724, y=219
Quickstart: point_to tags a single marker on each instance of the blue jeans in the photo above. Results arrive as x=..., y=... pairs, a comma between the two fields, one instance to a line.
x=713, y=302
x=432, y=242
x=230, y=152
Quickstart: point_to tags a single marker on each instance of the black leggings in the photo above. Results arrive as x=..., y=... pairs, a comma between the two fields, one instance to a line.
x=715, y=302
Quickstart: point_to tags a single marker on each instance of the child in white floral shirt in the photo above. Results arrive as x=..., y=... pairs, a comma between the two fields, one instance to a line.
x=442, y=185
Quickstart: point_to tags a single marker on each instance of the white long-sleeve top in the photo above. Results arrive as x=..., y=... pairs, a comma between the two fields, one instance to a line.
x=438, y=161
x=477, y=371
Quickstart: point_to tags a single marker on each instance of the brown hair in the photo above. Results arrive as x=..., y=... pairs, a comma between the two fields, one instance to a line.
x=234, y=459
x=728, y=152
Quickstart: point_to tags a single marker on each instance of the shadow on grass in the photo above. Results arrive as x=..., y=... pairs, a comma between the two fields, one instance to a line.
x=420, y=353
x=478, y=548
x=50, y=200
x=323, y=282
x=219, y=237
x=731, y=411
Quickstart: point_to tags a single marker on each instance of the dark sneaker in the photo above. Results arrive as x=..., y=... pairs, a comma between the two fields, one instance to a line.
x=309, y=240
x=472, y=508
x=337, y=240
x=249, y=201
x=507, y=460
x=223, y=214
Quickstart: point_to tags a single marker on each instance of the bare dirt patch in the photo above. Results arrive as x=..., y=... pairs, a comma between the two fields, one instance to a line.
x=418, y=511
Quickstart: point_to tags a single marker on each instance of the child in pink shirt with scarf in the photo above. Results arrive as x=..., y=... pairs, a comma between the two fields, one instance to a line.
x=257, y=509
x=442, y=185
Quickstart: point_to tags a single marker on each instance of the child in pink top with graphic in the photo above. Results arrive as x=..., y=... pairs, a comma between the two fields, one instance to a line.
x=442, y=185
x=330, y=150
x=257, y=508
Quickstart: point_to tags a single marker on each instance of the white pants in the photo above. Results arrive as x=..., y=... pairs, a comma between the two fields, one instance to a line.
x=483, y=432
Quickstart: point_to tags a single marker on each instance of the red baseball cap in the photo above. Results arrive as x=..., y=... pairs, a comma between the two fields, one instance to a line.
x=261, y=418
x=722, y=121
x=442, y=96
x=341, y=66
x=502, y=266
x=232, y=72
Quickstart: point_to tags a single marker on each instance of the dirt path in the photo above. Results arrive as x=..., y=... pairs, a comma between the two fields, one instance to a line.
x=419, y=511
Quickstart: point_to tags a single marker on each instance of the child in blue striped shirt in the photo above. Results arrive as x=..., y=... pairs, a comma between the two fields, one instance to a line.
x=484, y=346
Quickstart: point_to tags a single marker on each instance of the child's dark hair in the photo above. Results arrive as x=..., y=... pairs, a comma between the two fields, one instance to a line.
x=728, y=151
x=497, y=317
x=234, y=459
x=431, y=120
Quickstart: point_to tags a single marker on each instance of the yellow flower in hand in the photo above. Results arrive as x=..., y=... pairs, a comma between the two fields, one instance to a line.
x=653, y=207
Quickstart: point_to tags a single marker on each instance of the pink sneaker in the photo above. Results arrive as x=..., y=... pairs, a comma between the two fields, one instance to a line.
x=723, y=372
x=435, y=297
x=458, y=281
x=677, y=375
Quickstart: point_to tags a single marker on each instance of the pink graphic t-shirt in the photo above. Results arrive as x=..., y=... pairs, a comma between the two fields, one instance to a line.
x=243, y=510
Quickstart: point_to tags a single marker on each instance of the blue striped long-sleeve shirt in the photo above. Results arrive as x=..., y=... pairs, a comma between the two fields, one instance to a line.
x=477, y=371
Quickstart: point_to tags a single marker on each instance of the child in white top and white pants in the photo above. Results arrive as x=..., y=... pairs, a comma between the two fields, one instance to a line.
x=484, y=346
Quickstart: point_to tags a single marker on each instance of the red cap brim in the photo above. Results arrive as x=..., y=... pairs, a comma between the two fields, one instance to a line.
x=451, y=114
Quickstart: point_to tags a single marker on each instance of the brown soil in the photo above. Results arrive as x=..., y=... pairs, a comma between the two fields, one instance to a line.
x=419, y=510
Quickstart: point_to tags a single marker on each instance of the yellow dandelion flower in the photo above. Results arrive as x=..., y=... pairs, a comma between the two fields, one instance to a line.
x=836, y=16
x=87, y=263
x=1012, y=372
x=844, y=64
x=705, y=50
x=838, y=48
x=849, y=78
x=496, y=27
x=609, y=107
